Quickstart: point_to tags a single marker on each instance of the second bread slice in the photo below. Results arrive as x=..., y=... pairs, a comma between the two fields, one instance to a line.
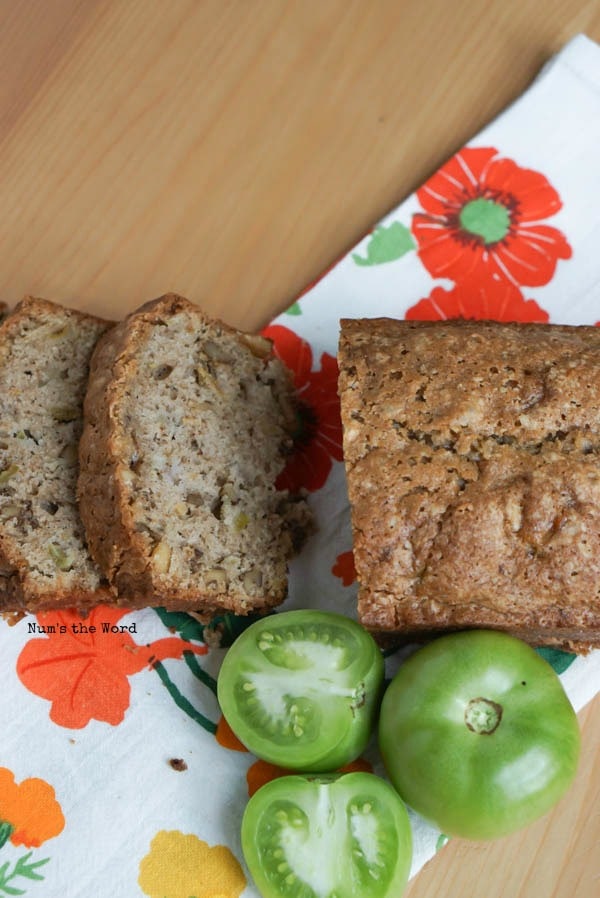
x=187, y=425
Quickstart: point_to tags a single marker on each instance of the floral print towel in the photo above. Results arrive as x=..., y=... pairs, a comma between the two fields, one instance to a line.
x=118, y=774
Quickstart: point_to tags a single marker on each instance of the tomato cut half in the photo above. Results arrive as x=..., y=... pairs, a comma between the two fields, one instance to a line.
x=337, y=837
x=478, y=735
x=301, y=689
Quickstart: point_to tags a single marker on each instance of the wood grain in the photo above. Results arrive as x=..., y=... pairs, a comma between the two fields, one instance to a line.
x=230, y=150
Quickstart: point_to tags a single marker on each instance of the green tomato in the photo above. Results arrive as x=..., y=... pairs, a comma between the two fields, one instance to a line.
x=301, y=689
x=478, y=735
x=336, y=837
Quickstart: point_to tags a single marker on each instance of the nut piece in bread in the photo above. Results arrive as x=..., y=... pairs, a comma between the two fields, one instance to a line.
x=187, y=425
x=44, y=356
x=472, y=456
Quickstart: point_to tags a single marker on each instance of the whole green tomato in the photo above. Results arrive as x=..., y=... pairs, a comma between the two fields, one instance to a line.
x=477, y=734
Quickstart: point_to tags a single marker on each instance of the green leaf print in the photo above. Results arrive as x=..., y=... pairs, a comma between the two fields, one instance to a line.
x=188, y=627
x=222, y=630
x=6, y=831
x=227, y=627
x=22, y=868
x=442, y=840
x=386, y=245
x=294, y=309
x=182, y=702
x=556, y=658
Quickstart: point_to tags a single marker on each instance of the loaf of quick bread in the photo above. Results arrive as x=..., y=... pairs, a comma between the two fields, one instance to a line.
x=472, y=457
x=187, y=425
x=44, y=358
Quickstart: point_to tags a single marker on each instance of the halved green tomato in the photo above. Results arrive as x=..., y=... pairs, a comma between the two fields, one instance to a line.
x=301, y=689
x=327, y=837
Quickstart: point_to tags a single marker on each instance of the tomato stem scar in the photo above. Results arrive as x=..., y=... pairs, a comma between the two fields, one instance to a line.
x=483, y=716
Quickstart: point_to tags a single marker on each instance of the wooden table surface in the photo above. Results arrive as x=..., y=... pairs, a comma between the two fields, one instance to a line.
x=229, y=150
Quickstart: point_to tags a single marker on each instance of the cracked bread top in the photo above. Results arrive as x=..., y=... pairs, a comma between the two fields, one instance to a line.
x=472, y=458
x=187, y=427
x=44, y=356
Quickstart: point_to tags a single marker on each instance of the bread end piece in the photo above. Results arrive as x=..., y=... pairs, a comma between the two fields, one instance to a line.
x=44, y=356
x=472, y=456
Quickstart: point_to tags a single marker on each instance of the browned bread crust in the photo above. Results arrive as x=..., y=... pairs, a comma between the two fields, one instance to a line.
x=186, y=428
x=472, y=455
x=44, y=357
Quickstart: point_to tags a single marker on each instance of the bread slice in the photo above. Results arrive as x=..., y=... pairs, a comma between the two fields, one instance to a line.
x=187, y=425
x=44, y=357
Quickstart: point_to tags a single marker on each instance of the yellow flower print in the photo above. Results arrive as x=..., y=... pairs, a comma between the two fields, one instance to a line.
x=181, y=866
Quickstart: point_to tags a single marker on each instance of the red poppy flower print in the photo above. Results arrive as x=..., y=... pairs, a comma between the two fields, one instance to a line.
x=82, y=665
x=494, y=300
x=318, y=436
x=344, y=568
x=482, y=217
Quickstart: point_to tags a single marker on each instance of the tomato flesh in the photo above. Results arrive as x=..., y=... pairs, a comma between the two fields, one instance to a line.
x=301, y=689
x=478, y=735
x=346, y=837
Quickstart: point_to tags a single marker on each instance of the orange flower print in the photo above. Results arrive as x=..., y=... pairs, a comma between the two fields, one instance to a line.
x=181, y=866
x=493, y=299
x=82, y=666
x=482, y=217
x=29, y=811
x=227, y=738
x=262, y=772
x=344, y=568
x=318, y=436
